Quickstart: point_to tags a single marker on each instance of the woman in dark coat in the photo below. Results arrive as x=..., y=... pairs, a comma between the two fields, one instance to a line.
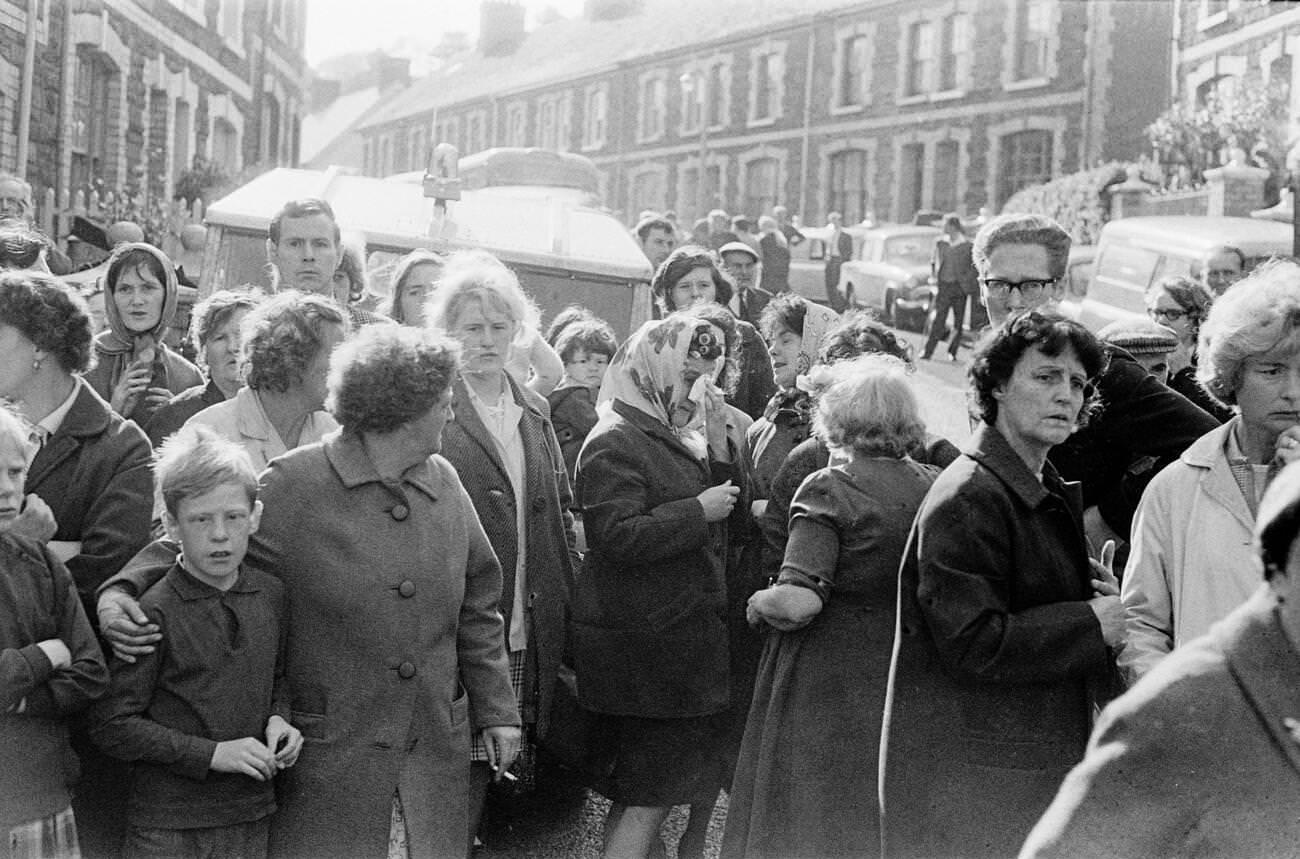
x=503, y=446
x=1005, y=627
x=806, y=781
x=656, y=487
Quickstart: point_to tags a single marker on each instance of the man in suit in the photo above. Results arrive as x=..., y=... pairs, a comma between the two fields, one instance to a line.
x=839, y=247
x=1202, y=756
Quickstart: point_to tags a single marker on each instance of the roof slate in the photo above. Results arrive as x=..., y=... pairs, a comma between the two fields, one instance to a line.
x=572, y=48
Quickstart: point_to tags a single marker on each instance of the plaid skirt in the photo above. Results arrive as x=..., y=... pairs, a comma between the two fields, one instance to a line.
x=518, y=664
x=53, y=837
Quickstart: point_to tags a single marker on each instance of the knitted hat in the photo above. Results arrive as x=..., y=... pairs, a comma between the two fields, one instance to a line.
x=1139, y=337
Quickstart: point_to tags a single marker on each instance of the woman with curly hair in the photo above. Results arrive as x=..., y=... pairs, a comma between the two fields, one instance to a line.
x=1005, y=627
x=1181, y=304
x=287, y=342
x=815, y=719
x=692, y=276
x=136, y=371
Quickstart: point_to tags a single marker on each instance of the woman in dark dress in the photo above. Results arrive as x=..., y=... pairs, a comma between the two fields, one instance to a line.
x=806, y=781
x=656, y=487
x=1006, y=629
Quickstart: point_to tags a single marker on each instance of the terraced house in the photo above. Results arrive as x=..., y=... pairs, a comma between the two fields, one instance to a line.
x=884, y=107
x=125, y=93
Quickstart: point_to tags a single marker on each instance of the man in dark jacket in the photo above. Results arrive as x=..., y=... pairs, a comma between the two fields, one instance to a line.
x=839, y=247
x=1139, y=425
x=955, y=273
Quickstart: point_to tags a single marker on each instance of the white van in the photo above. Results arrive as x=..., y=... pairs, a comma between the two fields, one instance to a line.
x=1134, y=253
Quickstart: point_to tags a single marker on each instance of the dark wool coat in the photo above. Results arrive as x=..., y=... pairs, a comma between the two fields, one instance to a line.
x=1138, y=428
x=649, y=608
x=181, y=408
x=96, y=476
x=551, y=544
x=1198, y=759
x=989, y=700
x=755, y=386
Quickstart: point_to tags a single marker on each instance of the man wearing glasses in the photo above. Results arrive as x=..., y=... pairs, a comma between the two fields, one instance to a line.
x=1138, y=427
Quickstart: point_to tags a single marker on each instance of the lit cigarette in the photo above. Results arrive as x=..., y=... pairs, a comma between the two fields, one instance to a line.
x=509, y=776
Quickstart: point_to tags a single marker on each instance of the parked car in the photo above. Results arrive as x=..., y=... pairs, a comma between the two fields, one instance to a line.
x=808, y=260
x=1133, y=253
x=891, y=274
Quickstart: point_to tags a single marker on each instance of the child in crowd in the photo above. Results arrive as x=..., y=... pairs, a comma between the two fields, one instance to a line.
x=50, y=669
x=586, y=347
x=205, y=716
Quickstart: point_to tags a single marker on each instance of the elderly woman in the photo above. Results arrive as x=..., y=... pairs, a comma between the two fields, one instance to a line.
x=414, y=279
x=854, y=335
x=650, y=609
x=136, y=371
x=502, y=445
x=1181, y=305
x=390, y=543
x=214, y=331
x=815, y=720
x=691, y=275
x=287, y=342
x=89, y=485
x=1190, y=562
x=1002, y=626
x=794, y=329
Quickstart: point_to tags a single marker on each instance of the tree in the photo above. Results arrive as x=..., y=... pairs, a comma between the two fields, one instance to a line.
x=1191, y=141
x=200, y=181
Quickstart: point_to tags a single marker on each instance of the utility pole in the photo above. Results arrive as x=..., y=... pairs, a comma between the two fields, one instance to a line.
x=25, y=94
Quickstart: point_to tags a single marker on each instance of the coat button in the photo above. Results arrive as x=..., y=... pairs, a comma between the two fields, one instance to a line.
x=400, y=512
x=406, y=588
x=406, y=671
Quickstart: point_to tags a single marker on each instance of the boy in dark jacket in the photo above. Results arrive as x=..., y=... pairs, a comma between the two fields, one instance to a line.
x=204, y=717
x=50, y=669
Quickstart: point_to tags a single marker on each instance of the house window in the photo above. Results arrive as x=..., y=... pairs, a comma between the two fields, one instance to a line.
x=954, y=51
x=1221, y=89
x=271, y=120
x=182, y=137
x=694, y=97
x=911, y=176
x=517, y=125
x=192, y=8
x=920, y=57
x=650, y=121
x=852, y=88
x=767, y=86
x=475, y=131
x=761, y=178
x=648, y=192
x=230, y=21
x=1279, y=78
x=717, y=93
x=848, y=185
x=225, y=145
x=595, y=117
x=546, y=124
x=1025, y=159
x=367, y=157
x=947, y=182
x=90, y=117
x=1033, y=31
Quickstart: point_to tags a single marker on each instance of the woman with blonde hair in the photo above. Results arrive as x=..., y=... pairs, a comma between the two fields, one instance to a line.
x=414, y=280
x=503, y=446
x=816, y=713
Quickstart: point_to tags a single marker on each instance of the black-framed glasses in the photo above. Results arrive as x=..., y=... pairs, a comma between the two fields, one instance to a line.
x=1029, y=289
x=1168, y=314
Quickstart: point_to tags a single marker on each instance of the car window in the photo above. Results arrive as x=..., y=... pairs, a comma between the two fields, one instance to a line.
x=910, y=251
x=1170, y=266
x=816, y=249
x=1127, y=264
x=1077, y=277
x=871, y=249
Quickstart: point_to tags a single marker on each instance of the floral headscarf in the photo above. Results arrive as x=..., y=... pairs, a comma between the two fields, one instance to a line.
x=648, y=374
x=794, y=402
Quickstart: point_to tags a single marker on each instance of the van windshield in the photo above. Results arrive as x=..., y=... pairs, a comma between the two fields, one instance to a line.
x=1127, y=264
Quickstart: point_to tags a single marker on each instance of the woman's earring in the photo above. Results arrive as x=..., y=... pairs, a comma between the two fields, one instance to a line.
x=36, y=365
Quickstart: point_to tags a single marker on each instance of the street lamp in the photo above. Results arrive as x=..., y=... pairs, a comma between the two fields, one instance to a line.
x=694, y=88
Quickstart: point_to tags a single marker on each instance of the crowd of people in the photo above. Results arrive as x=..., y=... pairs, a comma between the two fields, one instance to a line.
x=313, y=593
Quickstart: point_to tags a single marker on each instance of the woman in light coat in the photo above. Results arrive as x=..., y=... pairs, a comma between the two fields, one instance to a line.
x=1190, y=562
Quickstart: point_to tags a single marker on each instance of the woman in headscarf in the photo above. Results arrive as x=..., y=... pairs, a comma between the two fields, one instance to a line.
x=794, y=328
x=136, y=372
x=656, y=487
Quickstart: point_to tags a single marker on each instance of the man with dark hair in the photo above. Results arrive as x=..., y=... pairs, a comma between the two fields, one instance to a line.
x=955, y=273
x=839, y=247
x=1139, y=425
x=303, y=246
x=657, y=238
x=786, y=225
x=1201, y=757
